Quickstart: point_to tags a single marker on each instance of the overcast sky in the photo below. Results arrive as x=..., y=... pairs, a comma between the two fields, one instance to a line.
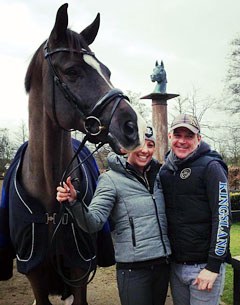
x=192, y=37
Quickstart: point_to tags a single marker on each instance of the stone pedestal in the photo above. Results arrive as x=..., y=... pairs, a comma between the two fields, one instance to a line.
x=159, y=121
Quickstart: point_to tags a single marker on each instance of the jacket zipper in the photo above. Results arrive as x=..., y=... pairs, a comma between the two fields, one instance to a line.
x=142, y=177
x=160, y=228
x=133, y=231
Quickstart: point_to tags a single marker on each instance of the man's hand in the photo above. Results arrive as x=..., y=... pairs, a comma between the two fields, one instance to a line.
x=205, y=280
x=66, y=192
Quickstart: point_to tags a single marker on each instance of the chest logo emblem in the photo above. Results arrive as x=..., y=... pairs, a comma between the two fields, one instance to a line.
x=185, y=173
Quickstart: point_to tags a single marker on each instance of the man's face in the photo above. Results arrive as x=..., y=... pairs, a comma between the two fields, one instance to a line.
x=142, y=156
x=183, y=142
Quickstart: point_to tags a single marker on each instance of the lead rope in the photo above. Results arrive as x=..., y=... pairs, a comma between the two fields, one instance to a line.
x=100, y=106
x=88, y=244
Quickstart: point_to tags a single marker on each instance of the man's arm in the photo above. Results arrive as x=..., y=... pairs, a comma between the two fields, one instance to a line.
x=218, y=195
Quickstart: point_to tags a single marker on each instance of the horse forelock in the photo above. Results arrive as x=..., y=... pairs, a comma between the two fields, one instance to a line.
x=72, y=40
x=76, y=41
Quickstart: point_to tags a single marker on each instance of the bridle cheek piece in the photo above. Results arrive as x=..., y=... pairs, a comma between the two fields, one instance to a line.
x=92, y=124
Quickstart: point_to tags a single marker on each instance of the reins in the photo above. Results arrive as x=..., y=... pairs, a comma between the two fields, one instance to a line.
x=93, y=127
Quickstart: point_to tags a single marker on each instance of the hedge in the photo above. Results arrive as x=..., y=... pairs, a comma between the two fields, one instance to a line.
x=235, y=200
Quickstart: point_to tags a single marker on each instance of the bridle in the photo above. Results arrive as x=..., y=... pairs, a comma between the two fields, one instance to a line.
x=91, y=119
x=93, y=127
x=92, y=123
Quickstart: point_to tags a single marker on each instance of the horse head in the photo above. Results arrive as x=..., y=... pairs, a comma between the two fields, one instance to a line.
x=159, y=75
x=78, y=93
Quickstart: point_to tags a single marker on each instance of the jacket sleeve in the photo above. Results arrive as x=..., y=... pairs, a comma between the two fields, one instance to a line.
x=158, y=193
x=218, y=196
x=92, y=218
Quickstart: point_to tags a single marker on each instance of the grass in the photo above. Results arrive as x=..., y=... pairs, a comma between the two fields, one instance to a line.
x=227, y=297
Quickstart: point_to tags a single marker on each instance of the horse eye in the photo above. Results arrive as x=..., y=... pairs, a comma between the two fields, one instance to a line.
x=71, y=72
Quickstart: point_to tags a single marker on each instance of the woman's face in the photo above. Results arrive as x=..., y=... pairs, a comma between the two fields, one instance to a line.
x=139, y=158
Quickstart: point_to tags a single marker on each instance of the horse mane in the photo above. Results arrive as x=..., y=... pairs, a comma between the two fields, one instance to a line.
x=74, y=40
x=35, y=65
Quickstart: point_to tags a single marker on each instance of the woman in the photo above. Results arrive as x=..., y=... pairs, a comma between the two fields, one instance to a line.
x=131, y=196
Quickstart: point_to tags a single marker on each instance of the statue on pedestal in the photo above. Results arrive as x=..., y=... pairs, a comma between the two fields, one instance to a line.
x=159, y=75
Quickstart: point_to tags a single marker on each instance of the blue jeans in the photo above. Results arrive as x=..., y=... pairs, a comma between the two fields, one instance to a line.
x=184, y=293
x=146, y=286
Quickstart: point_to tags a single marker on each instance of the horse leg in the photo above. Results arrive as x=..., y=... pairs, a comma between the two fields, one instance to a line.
x=80, y=296
x=79, y=293
x=69, y=300
x=39, y=288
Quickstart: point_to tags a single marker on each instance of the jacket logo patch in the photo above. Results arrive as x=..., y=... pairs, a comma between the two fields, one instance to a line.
x=185, y=173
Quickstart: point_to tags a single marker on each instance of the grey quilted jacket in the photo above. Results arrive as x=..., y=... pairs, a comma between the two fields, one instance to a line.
x=138, y=217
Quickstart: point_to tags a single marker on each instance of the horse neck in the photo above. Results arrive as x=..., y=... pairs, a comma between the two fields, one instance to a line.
x=48, y=154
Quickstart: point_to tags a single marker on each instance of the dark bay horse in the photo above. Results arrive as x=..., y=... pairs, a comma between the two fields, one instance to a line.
x=69, y=89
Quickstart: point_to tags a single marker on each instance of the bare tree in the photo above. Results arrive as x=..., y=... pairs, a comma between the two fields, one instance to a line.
x=24, y=131
x=233, y=77
x=6, y=149
x=21, y=134
x=233, y=146
x=222, y=134
x=194, y=105
x=180, y=105
x=141, y=106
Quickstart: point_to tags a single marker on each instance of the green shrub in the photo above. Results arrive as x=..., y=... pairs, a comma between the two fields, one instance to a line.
x=235, y=250
x=235, y=201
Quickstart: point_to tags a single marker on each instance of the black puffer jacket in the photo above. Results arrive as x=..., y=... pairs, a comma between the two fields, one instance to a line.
x=197, y=207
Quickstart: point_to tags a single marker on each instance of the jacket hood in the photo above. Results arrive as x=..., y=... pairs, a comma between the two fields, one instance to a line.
x=116, y=162
x=120, y=164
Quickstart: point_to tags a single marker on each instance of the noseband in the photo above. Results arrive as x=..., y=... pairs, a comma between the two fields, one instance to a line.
x=92, y=124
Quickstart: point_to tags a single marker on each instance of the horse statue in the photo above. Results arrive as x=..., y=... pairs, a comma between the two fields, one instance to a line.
x=159, y=75
x=69, y=89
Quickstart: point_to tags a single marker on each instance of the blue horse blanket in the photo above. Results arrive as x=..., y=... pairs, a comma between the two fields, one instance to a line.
x=24, y=229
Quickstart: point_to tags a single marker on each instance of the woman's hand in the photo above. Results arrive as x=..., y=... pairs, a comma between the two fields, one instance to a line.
x=66, y=192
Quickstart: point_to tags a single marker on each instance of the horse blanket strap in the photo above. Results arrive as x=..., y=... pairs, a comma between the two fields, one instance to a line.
x=47, y=218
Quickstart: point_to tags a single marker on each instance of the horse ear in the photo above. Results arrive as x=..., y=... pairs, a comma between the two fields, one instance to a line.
x=59, y=30
x=162, y=64
x=156, y=64
x=90, y=32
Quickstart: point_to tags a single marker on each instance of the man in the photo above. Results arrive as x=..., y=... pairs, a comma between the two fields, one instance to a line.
x=195, y=186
